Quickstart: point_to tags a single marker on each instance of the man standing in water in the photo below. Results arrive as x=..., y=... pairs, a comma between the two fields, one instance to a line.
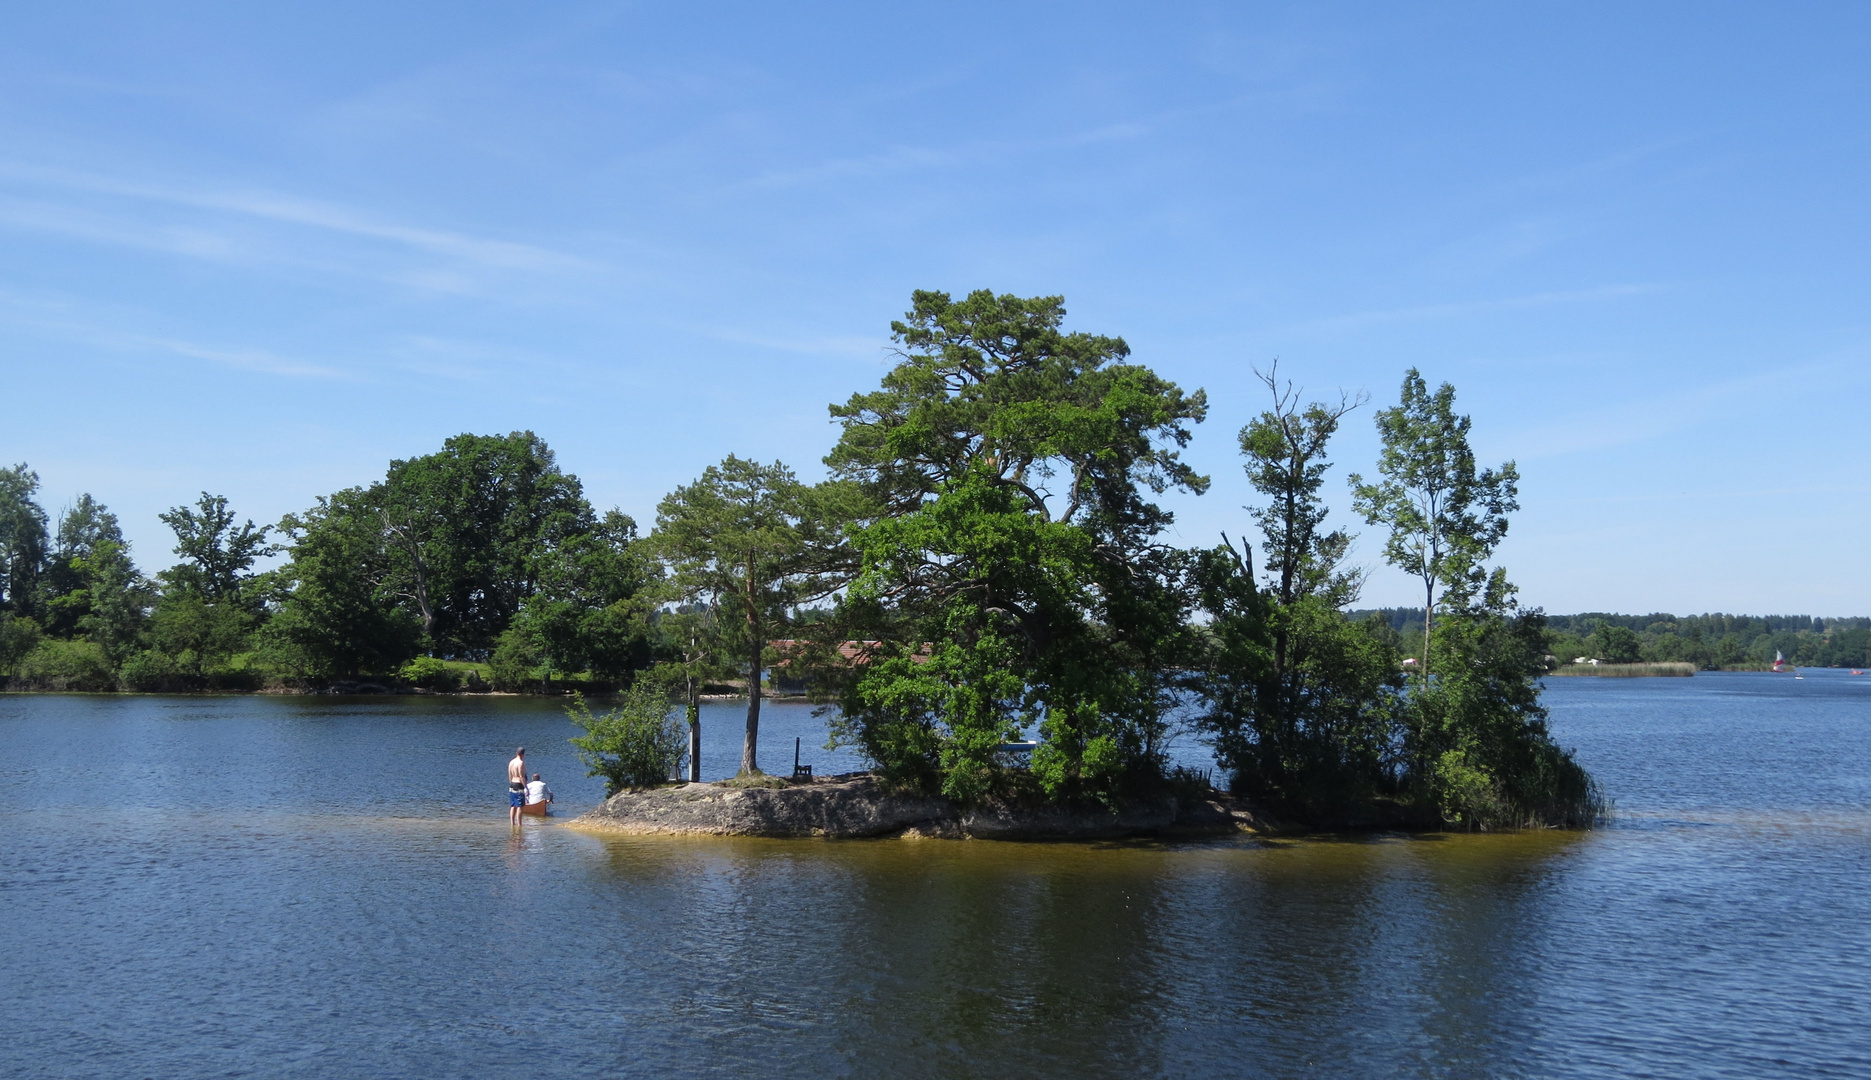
x=516, y=786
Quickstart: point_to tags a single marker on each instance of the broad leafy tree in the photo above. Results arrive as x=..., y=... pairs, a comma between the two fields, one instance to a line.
x=338, y=614
x=22, y=542
x=740, y=540
x=206, y=609
x=83, y=530
x=590, y=609
x=1475, y=744
x=692, y=650
x=1012, y=563
x=474, y=527
x=93, y=588
x=1444, y=517
x=217, y=555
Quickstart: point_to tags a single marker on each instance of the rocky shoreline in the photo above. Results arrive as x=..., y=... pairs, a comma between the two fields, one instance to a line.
x=855, y=805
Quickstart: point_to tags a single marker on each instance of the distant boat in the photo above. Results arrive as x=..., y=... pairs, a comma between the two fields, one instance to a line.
x=1781, y=665
x=1855, y=671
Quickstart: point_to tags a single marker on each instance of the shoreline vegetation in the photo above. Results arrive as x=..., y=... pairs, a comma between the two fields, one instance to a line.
x=984, y=566
x=1627, y=671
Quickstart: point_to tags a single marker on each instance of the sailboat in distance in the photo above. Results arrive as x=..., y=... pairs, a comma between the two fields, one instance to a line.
x=1781, y=665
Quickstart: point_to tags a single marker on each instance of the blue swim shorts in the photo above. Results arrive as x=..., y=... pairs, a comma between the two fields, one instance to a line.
x=516, y=798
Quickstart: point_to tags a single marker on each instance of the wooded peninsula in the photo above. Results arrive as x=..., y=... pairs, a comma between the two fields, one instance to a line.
x=984, y=565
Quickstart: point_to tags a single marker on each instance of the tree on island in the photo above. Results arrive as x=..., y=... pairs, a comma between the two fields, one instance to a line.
x=694, y=650
x=739, y=539
x=1474, y=740
x=1011, y=574
x=1444, y=518
x=1616, y=644
x=1301, y=701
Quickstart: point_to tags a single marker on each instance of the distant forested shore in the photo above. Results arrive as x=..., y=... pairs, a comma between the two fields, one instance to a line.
x=1712, y=642
x=984, y=568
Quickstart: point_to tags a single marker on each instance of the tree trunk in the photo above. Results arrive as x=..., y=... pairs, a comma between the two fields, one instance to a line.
x=756, y=642
x=695, y=731
x=419, y=571
x=1429, y=614
x=748, y=764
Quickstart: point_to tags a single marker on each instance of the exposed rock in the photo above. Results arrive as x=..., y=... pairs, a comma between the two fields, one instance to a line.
x=855, y=805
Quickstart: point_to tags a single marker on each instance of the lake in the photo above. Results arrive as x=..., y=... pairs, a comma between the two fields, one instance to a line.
x=268, y=886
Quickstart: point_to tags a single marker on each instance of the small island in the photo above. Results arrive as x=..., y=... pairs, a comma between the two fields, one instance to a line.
x=857, y=806
x=986, y=563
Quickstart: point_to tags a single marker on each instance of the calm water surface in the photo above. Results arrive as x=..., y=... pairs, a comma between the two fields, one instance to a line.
x=286, y=886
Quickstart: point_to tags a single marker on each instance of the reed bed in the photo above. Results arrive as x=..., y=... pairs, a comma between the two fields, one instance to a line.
x=1629, y=671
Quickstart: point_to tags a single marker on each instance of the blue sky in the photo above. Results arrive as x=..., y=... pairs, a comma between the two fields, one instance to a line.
x=261, y=253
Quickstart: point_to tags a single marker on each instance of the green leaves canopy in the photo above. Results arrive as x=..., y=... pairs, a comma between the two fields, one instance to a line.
x=1444, y=517
x=474, y=526
x=748, y=541
x=1010, y=567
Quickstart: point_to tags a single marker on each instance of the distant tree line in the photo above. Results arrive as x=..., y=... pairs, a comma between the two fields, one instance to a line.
x=985, y=562
x=1712, y=642
x=484, y=551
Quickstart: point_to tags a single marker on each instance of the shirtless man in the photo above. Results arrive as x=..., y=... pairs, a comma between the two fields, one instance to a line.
x=516, y=786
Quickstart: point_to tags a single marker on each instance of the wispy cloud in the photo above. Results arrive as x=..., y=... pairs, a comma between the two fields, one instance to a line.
x=74, y=322
x=308, y=213
x=1463, y=308
x=244, y=359
x=1639, y=420
x=973, y=153
x=1751, y=493
x=852, y=345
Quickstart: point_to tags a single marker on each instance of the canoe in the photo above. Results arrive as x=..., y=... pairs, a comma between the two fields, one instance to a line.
x=538, y=809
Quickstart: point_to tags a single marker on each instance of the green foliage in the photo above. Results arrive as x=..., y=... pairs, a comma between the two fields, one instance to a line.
x=1718, y=640
x=690, y=650
x=591, y=609
x=65, y=665
x=208, y=606
x=636, y=744
x=518, y=662
x=152, y=671
x=1444, y=517
x=1285, y=448
x=1007, y=559
x=85, y=532
x=1477, y=744
x=1617, y=645
x=431, y=674
x=116, y=599
x=337, y=616
x=1303, y=704
x=745, y=542
x=218, y=556
x=473, y=527
x=19, y=636
x=22, y=542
